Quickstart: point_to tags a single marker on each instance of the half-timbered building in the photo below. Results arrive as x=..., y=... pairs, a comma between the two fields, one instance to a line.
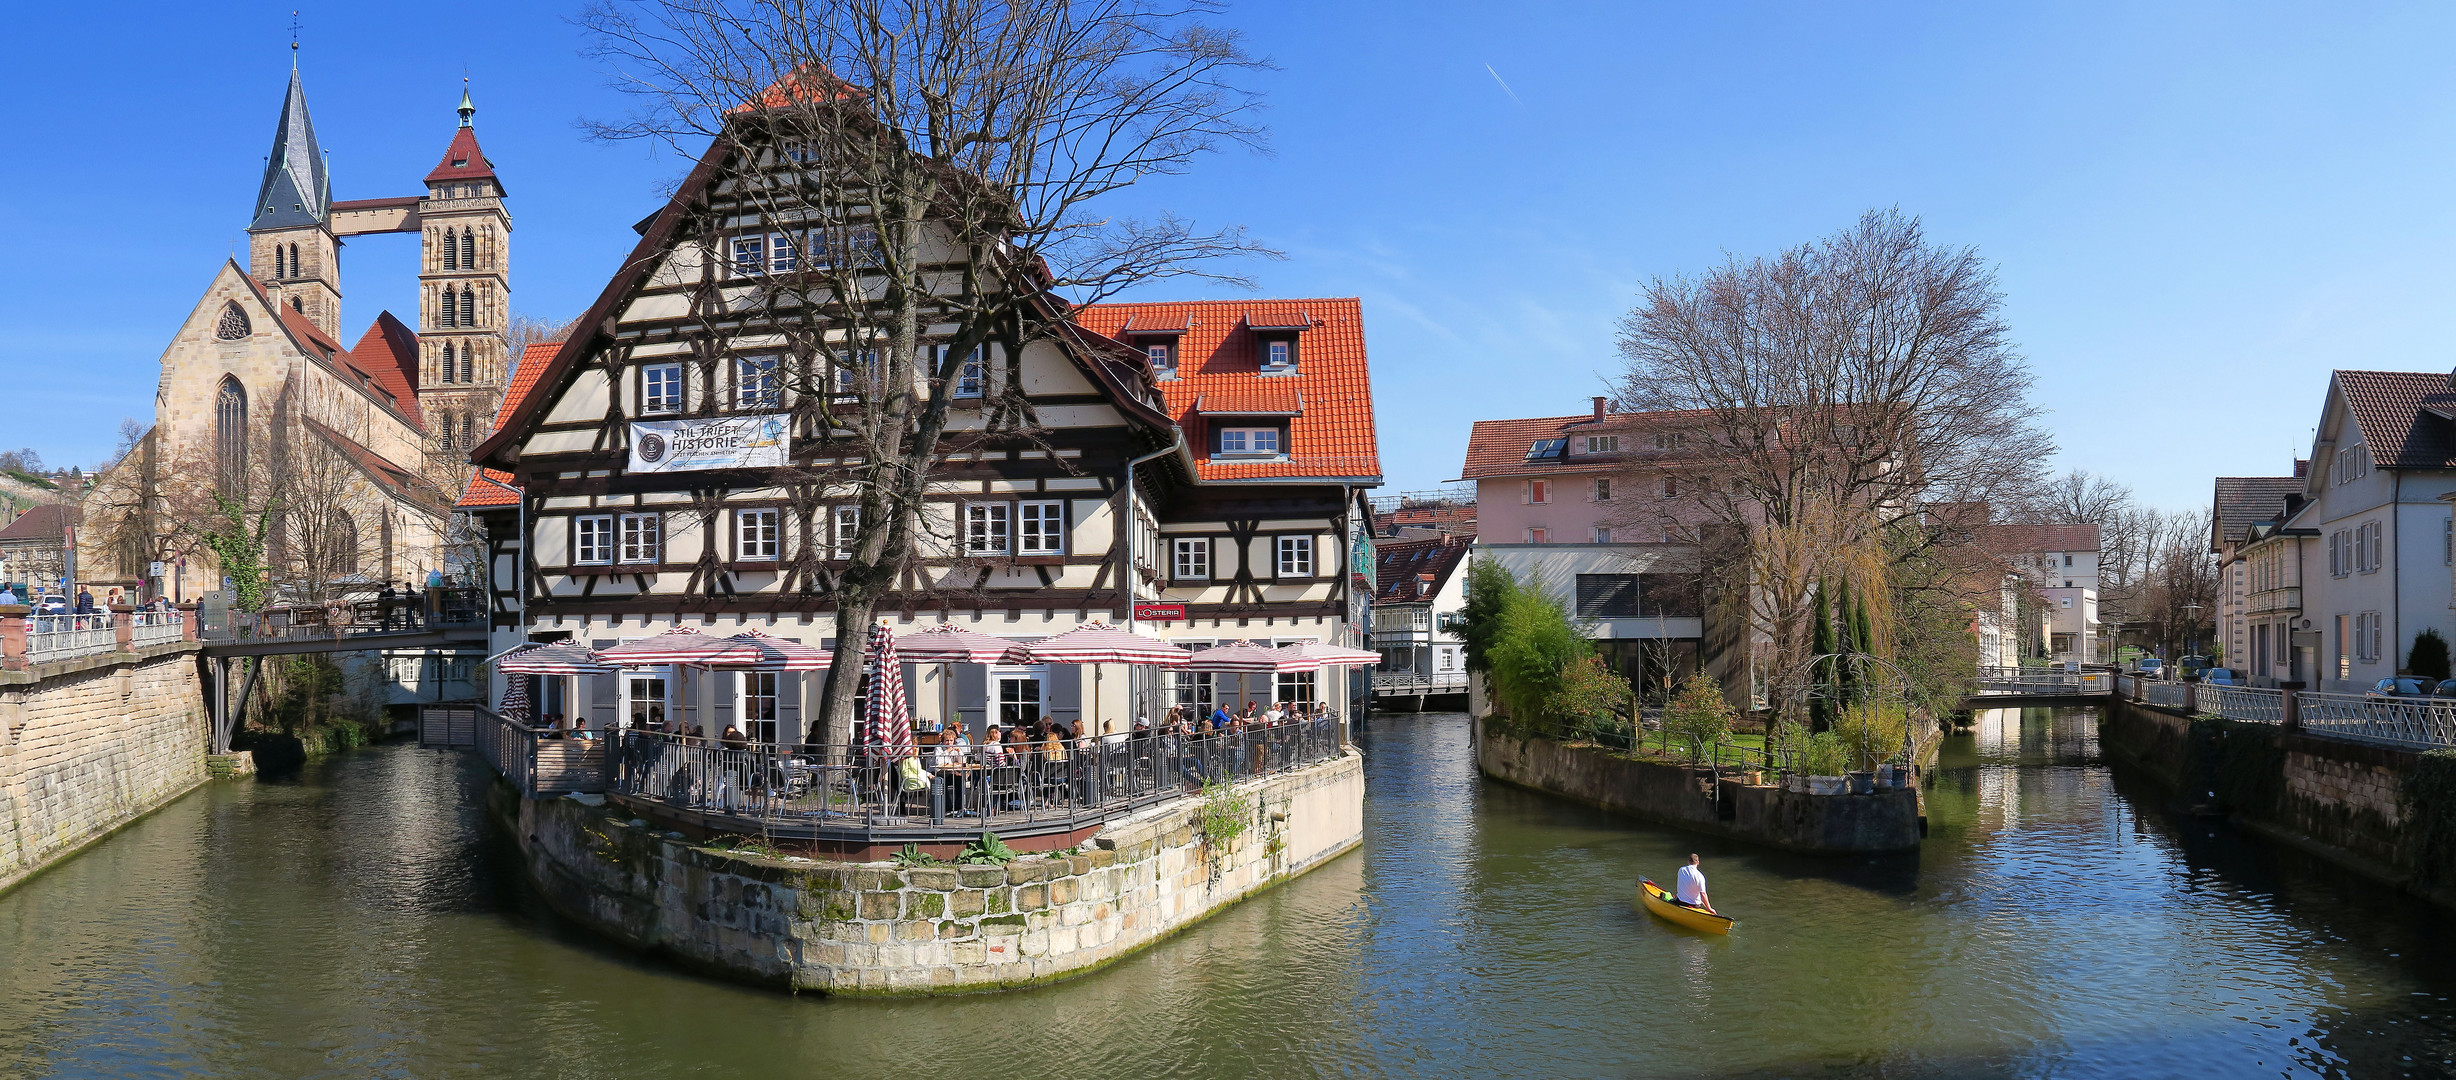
x=1195, y=469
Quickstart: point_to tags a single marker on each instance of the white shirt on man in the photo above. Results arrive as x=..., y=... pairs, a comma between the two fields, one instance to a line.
x=1691, y=887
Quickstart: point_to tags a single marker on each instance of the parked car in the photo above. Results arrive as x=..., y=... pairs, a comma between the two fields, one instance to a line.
x=2148, y=665
x=2190, y=666
x=2390, y=689
x=54, y=604
x=2218, y=676
x=2445, y=689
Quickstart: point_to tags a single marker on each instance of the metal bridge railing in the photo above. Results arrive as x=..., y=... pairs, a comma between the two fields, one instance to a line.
x=61, y=637
x=2043, y=681
x=2419, y=724
x=155, y=628
x=1408, y=684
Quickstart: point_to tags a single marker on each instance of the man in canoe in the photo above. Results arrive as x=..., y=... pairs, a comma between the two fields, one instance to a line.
x=1690, y=888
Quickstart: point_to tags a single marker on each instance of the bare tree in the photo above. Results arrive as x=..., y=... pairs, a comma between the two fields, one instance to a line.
x=936, y=173
x=1831, y=392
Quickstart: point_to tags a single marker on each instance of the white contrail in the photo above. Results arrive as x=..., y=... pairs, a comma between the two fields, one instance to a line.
x=1496, y=77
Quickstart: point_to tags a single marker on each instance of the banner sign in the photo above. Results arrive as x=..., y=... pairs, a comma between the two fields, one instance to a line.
x=1160, y=612
x=756, y=441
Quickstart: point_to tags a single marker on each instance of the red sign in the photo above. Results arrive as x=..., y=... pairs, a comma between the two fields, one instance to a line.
x=1160, y=612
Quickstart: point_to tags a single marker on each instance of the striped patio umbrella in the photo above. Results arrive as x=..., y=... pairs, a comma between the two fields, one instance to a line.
x=947, y=643
x=680, y=645
x=515, y=706
x=778, y=654
x=559, y=659
x=1250, y=658
x=1331, y=655
x=887, y=720
x=1100, y=643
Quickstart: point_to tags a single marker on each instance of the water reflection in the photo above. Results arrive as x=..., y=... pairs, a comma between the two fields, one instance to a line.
x=360, y=921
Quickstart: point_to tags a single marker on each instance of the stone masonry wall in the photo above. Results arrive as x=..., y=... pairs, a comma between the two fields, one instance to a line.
x=875, y=928
x=89, y=745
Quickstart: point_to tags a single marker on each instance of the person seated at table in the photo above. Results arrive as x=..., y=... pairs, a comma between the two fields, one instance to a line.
x=579, y=730
x=1142, y=730
x=1220, y=718
x=1272, y=715
x=1253, y=711
x=733, y=739
x=993, y=746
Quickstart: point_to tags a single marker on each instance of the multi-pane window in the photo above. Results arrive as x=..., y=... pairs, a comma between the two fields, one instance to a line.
x=759, y=706
x=1603, y=534
x=2366, y=637
x=969, y=377
x=1293, y=687
x=750, y=254
x=1191, y=690
x=755, y=534
x=1278, y=355
x=647, y=696
x=661, y=388
x=755, y=383
x=854, y=376
x=1669, y=440
x=1603, y=489
x=783, y=257
x=1249, y=440
x=643, y=538
x=985, y=528
x=1191, y=558
x=1295, y=556
x=1603, y=444
x=1163, y=358
x=1041, y=528
x=847, y=525
x=593, y=539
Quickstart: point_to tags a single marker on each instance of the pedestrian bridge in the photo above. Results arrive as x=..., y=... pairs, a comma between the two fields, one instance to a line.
x=2043, y=683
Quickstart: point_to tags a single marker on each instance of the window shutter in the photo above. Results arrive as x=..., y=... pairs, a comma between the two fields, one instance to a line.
x=789, y=691
x=604, y=702
x=728, y=703
x=1065, y=688
x=972, y=698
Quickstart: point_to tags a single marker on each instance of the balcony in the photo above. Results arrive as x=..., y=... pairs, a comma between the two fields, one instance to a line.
x=2270, y=600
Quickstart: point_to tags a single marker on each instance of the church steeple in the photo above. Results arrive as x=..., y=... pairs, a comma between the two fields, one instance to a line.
x=467, y=108
x=296, y=190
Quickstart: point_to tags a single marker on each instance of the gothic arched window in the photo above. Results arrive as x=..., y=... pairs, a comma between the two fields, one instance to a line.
x=469, y=307
x=230, y=432
x=294, y=260
x=469, y=249
x=451, y=252
x=449, y=310
x=447, y=431
x=344, y=546
x=234, y=325
x=297, y=306
x=466, y=364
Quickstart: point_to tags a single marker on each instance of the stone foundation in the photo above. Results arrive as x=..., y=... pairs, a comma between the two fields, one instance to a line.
x=874, y=928
x=89, y=745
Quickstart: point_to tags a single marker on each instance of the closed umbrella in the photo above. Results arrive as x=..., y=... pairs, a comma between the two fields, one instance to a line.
x=886, y=722
x=515, y=706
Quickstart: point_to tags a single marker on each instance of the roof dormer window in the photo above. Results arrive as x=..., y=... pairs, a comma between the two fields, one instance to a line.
x=1162, y=353
x=1279, y=356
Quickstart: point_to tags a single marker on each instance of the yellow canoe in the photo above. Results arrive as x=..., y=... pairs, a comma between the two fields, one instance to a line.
x=1679, y=914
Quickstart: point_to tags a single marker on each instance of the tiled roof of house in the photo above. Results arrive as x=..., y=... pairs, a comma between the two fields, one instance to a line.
x=472, y=163
x=44, y=521
x=1219, y=359
x=1400, y=564
x=1498, y=447
x=533, y=363
x=388, y=353
x=2024, y=538
x=2242, y=500
x=2404, y=416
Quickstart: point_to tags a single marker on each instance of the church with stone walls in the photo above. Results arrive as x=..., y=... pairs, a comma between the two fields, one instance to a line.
x=368, y=441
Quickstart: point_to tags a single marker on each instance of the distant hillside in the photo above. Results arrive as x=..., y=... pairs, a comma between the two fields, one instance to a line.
x=22, y=493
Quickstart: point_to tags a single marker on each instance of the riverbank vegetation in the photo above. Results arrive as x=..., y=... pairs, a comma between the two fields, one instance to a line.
x=1539, y=666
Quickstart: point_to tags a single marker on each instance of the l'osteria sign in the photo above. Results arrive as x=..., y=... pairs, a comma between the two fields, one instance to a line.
x=754, y=441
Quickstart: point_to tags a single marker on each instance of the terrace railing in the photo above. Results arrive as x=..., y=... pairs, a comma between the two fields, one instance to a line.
x=156, y=628
x=1408, y=683
x=962, y=790
x=2423, y=724
x=538, y=761
x=411, y=612
x=2007, y=681
x=62, y=637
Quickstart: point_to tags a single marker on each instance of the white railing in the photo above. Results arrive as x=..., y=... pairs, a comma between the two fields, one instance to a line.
x=2043, y=681
x=156, y=628
x=2426, y=724
x=1408, y=683
x=2168, y=694
x=60, y=637
x=2245, y=703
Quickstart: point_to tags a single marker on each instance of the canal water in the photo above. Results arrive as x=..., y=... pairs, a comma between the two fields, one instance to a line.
x=359, y=921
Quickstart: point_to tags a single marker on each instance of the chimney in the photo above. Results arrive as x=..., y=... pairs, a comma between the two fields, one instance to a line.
x=1598, y=408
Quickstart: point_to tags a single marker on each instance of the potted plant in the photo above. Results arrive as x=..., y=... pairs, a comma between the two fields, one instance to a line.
x=1824, y=758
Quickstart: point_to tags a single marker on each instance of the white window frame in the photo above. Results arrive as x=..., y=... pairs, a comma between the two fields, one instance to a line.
x=1538, y=492
x=756, y=536
x=592, y=539
x=750, y=255
x=759, y=688
x=1040, y=527
x=1671, y=487
x=845, y=523
x=642, y=538
x=1292, y=557
x=868, y=369
x=1603, y=444
x=1190, y=558
x=1539, y=536
x=1603, y=489
x=1249, y=441
x=1670, y=440
x=1279, y=355
x=654, y=384
x=758, y=383
x=782, y=259
x=971, y=378
x=1163, y=357
x=989, y=528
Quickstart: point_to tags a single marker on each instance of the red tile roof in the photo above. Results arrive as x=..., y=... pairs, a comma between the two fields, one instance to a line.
x=44, y=521
x=1218, y=354
x=2404, y=416
x=388, y=353
x=394, y=479
x=2016, y=539
x=1268, y=401
x=1398, y=565
x=1499, y=447
x=534, y=360
x=472, y=163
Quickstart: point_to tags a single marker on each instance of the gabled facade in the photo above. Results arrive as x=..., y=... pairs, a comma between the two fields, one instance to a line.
x=1420, y=584
x=2366, y=550
x=1246, y=428
x=2249, y=590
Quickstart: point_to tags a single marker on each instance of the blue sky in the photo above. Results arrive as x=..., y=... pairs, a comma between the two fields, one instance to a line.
x=2197, y=210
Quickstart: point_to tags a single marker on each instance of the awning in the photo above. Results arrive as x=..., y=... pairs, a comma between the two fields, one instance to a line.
x=559, y=659
x=1100, y=643
x=1249, y=658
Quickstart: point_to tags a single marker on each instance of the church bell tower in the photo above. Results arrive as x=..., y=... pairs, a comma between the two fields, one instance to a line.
x=291, y=249
x=464, y=289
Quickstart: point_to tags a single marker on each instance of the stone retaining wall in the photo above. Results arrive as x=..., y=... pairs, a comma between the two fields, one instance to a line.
x=874, y=928
x=91, y=744
x=2335, y=798
x=1677, y=795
